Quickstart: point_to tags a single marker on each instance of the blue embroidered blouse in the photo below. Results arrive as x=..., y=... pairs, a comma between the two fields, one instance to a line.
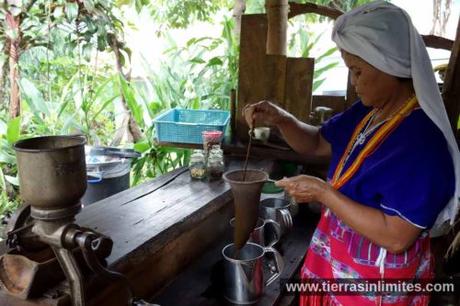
x=411, y=174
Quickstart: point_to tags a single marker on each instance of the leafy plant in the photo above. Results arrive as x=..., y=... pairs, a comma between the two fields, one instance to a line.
x=179, y=13
x=69, y=84
x=154, y=160
x=304, y=43
x=9, y=133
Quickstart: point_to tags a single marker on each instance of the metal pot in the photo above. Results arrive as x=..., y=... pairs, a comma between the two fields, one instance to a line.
x=52, y=171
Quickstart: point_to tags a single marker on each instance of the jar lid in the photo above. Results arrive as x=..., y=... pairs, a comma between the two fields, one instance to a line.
x=212, y=135
x=216, y=152
x=215, y=158
x=197, y=157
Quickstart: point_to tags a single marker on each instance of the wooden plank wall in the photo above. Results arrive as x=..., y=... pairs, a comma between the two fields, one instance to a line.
x=286, y=81
x=298, y=93
x=251, y=67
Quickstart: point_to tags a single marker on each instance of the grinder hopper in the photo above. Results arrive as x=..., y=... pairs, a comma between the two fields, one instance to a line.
x=52, y=175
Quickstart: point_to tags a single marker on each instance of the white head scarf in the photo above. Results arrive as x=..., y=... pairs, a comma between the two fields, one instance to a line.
x=383, y=35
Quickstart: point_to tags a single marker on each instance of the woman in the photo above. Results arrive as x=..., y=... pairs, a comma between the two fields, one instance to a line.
x=394, y=161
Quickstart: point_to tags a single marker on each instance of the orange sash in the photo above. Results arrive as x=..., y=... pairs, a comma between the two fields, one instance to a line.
x=339, y=179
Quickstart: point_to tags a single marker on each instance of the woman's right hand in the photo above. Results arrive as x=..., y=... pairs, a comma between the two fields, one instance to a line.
x=264, y=113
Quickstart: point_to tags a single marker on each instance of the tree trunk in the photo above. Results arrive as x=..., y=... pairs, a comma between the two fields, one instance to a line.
x=436, y=15
x=133, y=130
x=277, y=14
x=12, y=45
x=3, y=83
x=15, y=101
x=238, y=10
x=440, y=16
x=445, y=17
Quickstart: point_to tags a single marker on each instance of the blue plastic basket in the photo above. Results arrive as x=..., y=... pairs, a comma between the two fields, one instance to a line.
x=186, y=125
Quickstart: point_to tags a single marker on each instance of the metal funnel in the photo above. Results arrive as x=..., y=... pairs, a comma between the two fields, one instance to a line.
x=246, y=198
x=52, y=174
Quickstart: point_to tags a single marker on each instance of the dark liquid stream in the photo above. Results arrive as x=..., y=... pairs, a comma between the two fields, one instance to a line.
x=248, y=152
x=245, y=167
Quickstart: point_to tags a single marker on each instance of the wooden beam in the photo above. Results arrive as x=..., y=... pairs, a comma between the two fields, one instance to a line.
x=438, y=42
x=277, y=15
x=451, y=87
x=303, y=8
x=296, y=9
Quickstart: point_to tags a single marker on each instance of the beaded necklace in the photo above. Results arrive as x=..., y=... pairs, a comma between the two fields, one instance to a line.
x=359, y=136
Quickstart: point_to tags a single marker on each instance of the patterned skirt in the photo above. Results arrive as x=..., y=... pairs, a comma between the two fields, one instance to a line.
x=338, y=253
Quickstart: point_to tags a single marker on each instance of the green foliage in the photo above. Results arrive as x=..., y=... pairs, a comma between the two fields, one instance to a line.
x=9, y=133
x=255, y=7
x=343, y=5
x=154, y=160
x=69, y=84
x=179, y=13
x=304, y=43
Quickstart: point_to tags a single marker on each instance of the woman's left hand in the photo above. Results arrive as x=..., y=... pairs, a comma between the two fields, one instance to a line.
x=305, y=188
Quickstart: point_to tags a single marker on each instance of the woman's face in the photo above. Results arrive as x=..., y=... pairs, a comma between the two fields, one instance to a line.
x=373, y=86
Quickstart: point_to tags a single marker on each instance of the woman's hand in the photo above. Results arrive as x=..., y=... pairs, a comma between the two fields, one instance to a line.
x=264, y=113
x=305, y=188
x=391, y=232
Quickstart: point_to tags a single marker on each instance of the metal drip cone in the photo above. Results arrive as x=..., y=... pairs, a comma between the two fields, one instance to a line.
x=246, y=196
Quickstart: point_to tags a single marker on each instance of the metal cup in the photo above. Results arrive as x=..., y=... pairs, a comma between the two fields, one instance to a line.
x=243, y=272
x=258, y=234
x=278, y=210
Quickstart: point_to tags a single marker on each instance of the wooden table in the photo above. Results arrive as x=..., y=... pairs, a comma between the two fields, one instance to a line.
x=201, y=283
x=161, y=227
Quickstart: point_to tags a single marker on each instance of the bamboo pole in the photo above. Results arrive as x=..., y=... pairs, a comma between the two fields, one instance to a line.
x=277, y=14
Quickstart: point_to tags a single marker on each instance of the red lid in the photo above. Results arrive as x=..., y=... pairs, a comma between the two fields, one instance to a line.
x=212, y=133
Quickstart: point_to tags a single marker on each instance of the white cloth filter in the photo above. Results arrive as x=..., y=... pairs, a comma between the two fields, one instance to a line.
x=383, y=35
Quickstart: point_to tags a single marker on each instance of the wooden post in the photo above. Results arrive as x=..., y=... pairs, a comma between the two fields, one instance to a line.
x=451, y=88
x=277, y=14
x=238, y=10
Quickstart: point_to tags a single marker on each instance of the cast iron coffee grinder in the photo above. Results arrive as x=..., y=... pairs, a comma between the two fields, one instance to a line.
x=52, y=177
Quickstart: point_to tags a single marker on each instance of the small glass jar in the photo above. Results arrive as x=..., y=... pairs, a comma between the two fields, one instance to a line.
x=215, y=166
x=211, y=138
x=216, y=150
x=197, y=165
